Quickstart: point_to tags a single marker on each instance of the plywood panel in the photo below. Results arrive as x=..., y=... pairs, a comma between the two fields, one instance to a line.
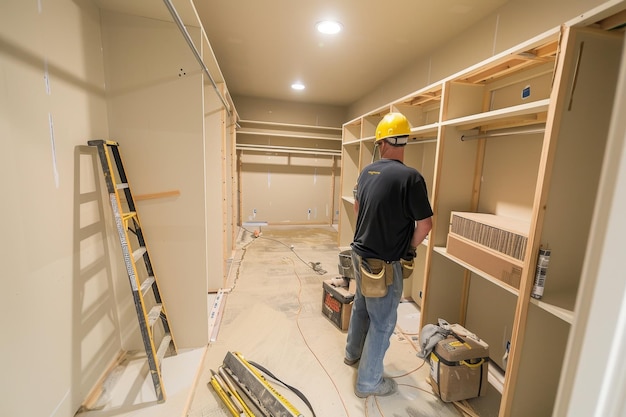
x=509, y=177
x=492, y=321
x=457, y=166
x=542, y=356
x=414, y=288
x=444, y=291
x=579, y=156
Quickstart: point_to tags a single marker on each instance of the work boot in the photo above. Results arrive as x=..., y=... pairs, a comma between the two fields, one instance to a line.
x=387, y=387
x=351, y=362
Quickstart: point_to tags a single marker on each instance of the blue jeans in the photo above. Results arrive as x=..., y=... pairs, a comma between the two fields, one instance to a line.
x=372, y=323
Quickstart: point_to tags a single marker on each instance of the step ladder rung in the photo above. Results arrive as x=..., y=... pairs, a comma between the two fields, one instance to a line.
x=137, y=254
x=163, y=347
x=154, y=314
x=147, y=284
x=121, y=186
x=127, y=216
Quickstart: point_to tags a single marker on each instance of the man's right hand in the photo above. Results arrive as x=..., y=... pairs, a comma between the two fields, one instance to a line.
x=410, y=254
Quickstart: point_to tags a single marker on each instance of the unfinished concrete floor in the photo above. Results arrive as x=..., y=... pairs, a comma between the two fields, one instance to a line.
x=273, y=317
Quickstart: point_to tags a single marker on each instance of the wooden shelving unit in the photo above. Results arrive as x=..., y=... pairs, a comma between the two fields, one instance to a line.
x=260, y=136
x=520, y=135
x=304, y=149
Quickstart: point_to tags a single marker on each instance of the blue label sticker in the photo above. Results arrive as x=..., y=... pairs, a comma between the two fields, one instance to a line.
x=526, y=92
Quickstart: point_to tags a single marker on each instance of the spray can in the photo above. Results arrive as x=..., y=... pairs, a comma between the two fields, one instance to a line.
x=540, y=275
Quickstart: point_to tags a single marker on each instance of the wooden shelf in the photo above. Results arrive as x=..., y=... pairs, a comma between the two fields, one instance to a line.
x=288, y=149
x=421, y=98
x=348, y=199
x=270, y=137
x=261, y=128
x=422, y=108
x=353, y=143
x=515, y=116
x=512, y=62
x=444, y=252
x=560, y=305
x=427, y=131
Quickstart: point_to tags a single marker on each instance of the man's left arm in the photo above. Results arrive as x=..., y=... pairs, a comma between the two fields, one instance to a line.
x=422, y=228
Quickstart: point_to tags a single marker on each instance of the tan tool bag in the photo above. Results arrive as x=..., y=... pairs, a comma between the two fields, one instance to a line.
x=376, y=275
x=407, y=268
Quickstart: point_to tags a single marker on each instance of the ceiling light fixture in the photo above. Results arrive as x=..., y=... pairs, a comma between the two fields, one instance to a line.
x=328, y=27
x=297, y=86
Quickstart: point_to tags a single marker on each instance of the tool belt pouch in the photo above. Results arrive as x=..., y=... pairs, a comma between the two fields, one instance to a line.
x=407, y=268
x=373, y=282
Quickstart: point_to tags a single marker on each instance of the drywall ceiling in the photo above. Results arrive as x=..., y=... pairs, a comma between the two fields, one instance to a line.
x=262, y=47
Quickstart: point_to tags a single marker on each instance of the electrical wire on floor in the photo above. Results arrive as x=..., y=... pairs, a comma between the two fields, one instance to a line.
x=306, y=342
x=315, y=266
x=292, y=389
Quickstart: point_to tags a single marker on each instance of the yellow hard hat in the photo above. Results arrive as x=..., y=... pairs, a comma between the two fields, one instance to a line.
x=393, y=124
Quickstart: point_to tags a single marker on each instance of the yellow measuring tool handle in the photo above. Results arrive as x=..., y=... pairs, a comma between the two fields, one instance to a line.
x=224, y=397
x=234, y=392
x=261, y=378
x=473, y=365
x=234, y=400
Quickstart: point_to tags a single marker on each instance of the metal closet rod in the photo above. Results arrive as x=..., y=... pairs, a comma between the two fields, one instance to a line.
x=414, y=142
x=422, y=140
x=272, y=148
x=183, y=30
x=510, y=132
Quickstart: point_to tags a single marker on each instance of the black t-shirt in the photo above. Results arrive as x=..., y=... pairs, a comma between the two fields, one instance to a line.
x=391, y=197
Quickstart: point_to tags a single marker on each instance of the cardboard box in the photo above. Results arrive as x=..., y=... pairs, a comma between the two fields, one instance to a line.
x=459, y=366
x=507, y=270
x=505, y=235
x=337, y=304
x=490, y=243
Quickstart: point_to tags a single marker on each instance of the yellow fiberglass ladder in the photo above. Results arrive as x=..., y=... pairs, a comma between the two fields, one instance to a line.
x=150, y=309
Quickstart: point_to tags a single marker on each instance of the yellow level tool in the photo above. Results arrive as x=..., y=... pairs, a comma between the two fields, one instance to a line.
x=246, y=410
x=224, y=397
x=269, y=401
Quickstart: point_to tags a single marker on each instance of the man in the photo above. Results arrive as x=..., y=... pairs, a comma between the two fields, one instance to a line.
x=393, y=217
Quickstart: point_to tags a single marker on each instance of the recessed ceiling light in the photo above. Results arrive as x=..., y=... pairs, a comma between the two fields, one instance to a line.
x=297, y=86
x=328, y=27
